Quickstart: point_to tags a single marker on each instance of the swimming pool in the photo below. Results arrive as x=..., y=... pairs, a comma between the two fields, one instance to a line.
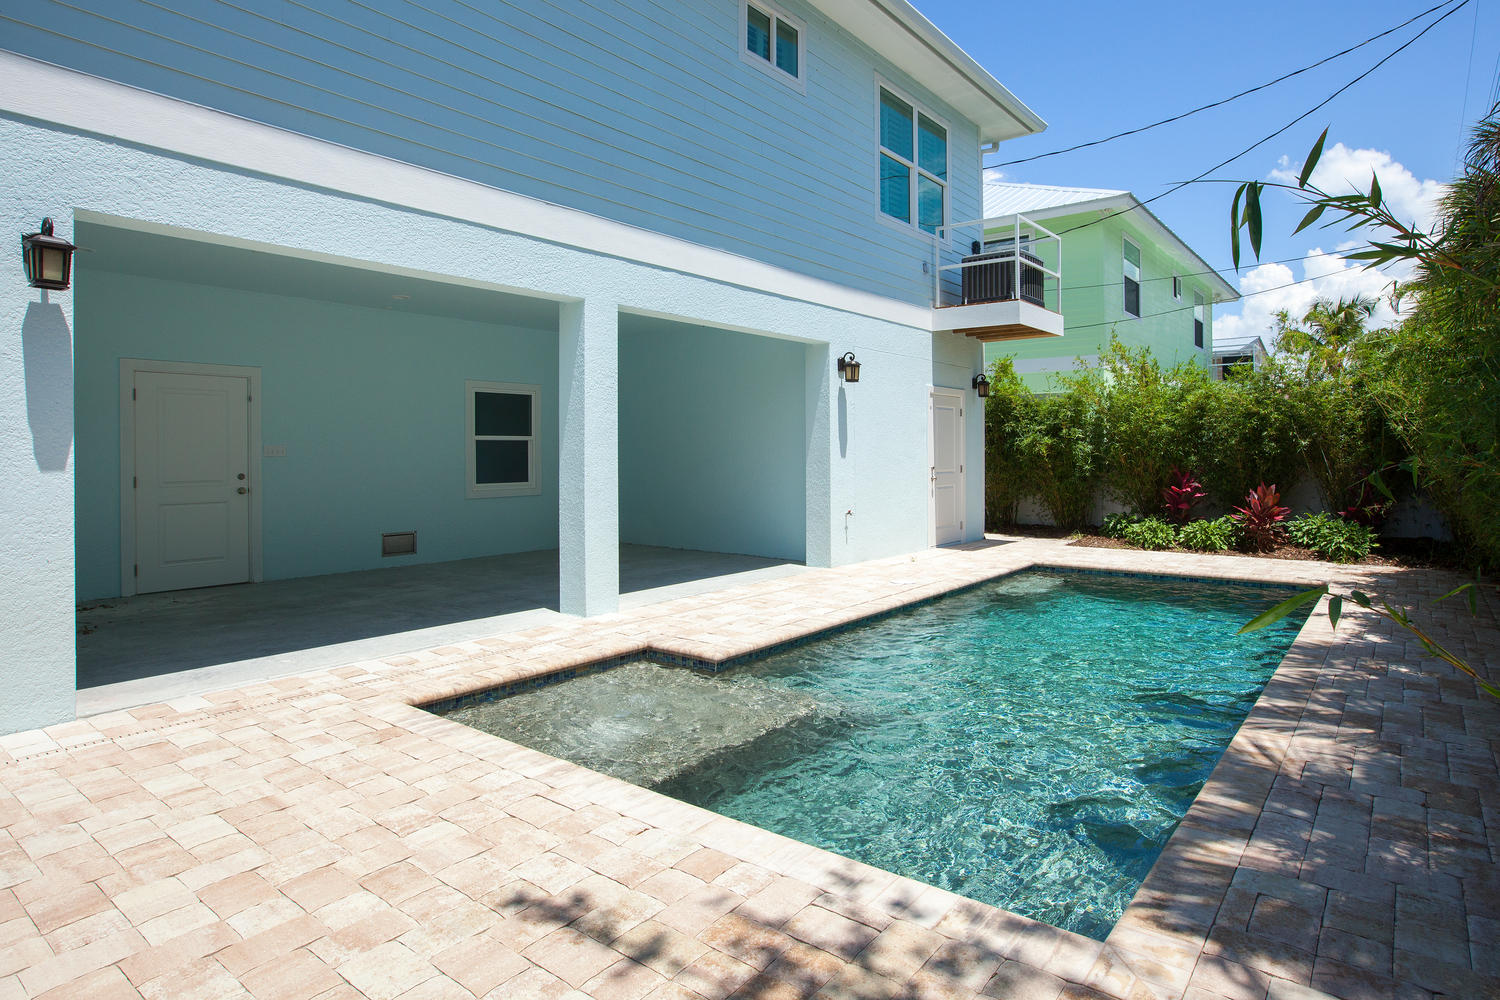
x=1031, y=743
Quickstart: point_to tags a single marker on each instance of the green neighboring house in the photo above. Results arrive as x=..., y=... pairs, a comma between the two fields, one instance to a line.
x=1128, y=275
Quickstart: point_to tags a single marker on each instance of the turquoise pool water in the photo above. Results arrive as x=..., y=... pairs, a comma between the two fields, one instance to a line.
x=1031, y=743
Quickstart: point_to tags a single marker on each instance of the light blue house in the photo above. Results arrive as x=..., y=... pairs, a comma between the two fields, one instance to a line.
x=428, y=283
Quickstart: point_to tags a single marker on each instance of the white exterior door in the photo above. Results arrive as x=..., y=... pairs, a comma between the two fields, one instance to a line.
x=192, y=506
x=946, y=476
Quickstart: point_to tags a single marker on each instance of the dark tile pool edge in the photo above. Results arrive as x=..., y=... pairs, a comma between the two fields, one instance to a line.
x=657, y=654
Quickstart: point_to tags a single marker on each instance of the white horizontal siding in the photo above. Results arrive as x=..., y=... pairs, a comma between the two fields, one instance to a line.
x=643, y=113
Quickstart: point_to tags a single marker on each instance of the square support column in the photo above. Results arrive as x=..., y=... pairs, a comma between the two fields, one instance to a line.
x=820, y=444
x=38, y=628
x=588, y=529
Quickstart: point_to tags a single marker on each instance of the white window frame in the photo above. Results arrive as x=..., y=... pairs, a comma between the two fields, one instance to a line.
x=911, y=188
x=768, y=66
x=1200, y=319
x=1177, y=287
x=1140, y=274
x=532, y=486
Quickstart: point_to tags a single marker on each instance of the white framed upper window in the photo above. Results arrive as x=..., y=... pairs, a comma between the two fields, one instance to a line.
x=1197, y=320
x=1131, y=265
x=1176, y=288
x=913, y=158
x=502, y=438
x=772, y=41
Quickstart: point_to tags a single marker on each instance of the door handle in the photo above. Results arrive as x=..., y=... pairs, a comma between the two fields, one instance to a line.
x=933, y=477
x=243, y=489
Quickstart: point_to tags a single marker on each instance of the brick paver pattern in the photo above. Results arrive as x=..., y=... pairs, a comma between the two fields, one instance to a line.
x=317, y=836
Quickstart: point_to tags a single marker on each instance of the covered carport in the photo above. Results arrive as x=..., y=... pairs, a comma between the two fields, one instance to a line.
x=396, y=477
x=712, y=430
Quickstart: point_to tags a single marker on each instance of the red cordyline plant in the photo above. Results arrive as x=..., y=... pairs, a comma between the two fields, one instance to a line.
x=1260, y=519
x=1367, y=507
x=1182, y=493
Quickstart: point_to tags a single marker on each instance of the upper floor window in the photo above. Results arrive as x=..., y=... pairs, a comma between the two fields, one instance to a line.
x=913, y=164
x=1176, y=288
x=1197, y=320
x=773, y=41
x=1132, y=269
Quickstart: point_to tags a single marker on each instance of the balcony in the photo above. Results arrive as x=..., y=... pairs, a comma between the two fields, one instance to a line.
x=1006, y=288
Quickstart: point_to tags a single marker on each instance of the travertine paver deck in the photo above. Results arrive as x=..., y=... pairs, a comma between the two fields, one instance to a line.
x=317, y=836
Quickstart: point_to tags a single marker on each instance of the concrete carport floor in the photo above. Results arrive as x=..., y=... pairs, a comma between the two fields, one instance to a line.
x=154, y=647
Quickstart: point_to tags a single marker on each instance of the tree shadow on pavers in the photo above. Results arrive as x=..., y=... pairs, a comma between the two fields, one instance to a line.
x=816, y=950
x=1367, y=869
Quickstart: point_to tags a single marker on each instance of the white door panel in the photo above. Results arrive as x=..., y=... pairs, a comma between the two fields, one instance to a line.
x=947, y=472
x=192, y=508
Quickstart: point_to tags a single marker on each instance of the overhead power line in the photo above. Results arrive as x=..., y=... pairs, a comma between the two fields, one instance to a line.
x=1233, y=97
x=1184, y=308
x=1197, y=274
x=1262, y=141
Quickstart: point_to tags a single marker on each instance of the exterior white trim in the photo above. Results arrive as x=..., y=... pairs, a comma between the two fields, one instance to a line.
x=128, y=369
x=1060, y=363
x=532, y=486
x=52, y=94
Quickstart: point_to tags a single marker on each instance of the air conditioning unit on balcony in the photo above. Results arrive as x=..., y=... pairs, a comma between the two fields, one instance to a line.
x=991, y=277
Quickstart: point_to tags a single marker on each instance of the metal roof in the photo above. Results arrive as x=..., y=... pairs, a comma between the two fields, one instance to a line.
x=1047, y=201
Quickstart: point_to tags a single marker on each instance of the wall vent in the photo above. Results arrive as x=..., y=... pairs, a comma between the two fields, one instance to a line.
x=398, y=543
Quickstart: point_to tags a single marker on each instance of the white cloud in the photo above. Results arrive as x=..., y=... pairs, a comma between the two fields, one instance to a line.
x=1341, y=170
x=1324, y=274
x=1328, y=276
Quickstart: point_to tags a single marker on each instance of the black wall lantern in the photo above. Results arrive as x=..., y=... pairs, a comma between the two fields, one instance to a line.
x=981, y=385
x=48, y=258
x=848, y=368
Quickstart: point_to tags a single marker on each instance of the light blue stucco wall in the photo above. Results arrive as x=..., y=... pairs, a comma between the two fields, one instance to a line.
x=644, y=113
x=369, y=404
x=866, y=445
x=712, y=441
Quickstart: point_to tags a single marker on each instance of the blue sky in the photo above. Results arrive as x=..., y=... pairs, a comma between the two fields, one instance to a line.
x=1093, y=68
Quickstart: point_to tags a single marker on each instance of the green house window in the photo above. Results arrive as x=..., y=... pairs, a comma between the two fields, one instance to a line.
x=913, y=164
x=1132, y=269
x=1197, y=320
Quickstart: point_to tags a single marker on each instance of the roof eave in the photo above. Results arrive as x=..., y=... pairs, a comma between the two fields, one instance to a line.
x=904, y=36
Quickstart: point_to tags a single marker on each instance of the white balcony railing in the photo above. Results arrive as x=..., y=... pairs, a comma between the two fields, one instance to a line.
x=1015, y=260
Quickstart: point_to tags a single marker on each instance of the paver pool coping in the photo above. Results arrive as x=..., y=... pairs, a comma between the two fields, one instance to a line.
x=1266, y=887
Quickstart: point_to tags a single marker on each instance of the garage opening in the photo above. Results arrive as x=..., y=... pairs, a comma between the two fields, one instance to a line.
x=712, y=431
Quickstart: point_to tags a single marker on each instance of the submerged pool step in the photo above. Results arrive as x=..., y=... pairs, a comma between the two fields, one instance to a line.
x=641, y=722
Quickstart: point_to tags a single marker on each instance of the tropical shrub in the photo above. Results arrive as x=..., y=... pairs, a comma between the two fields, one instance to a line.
x=1009, y=469
x=1218, y=535
x=1150, y=533
x=1261, y=519
x=1064, y=446
x=1441, y=366
x=1334, y=538
x=1141, y=406
x=1246, y=433
x=1115, y=525
x=1182, y=493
